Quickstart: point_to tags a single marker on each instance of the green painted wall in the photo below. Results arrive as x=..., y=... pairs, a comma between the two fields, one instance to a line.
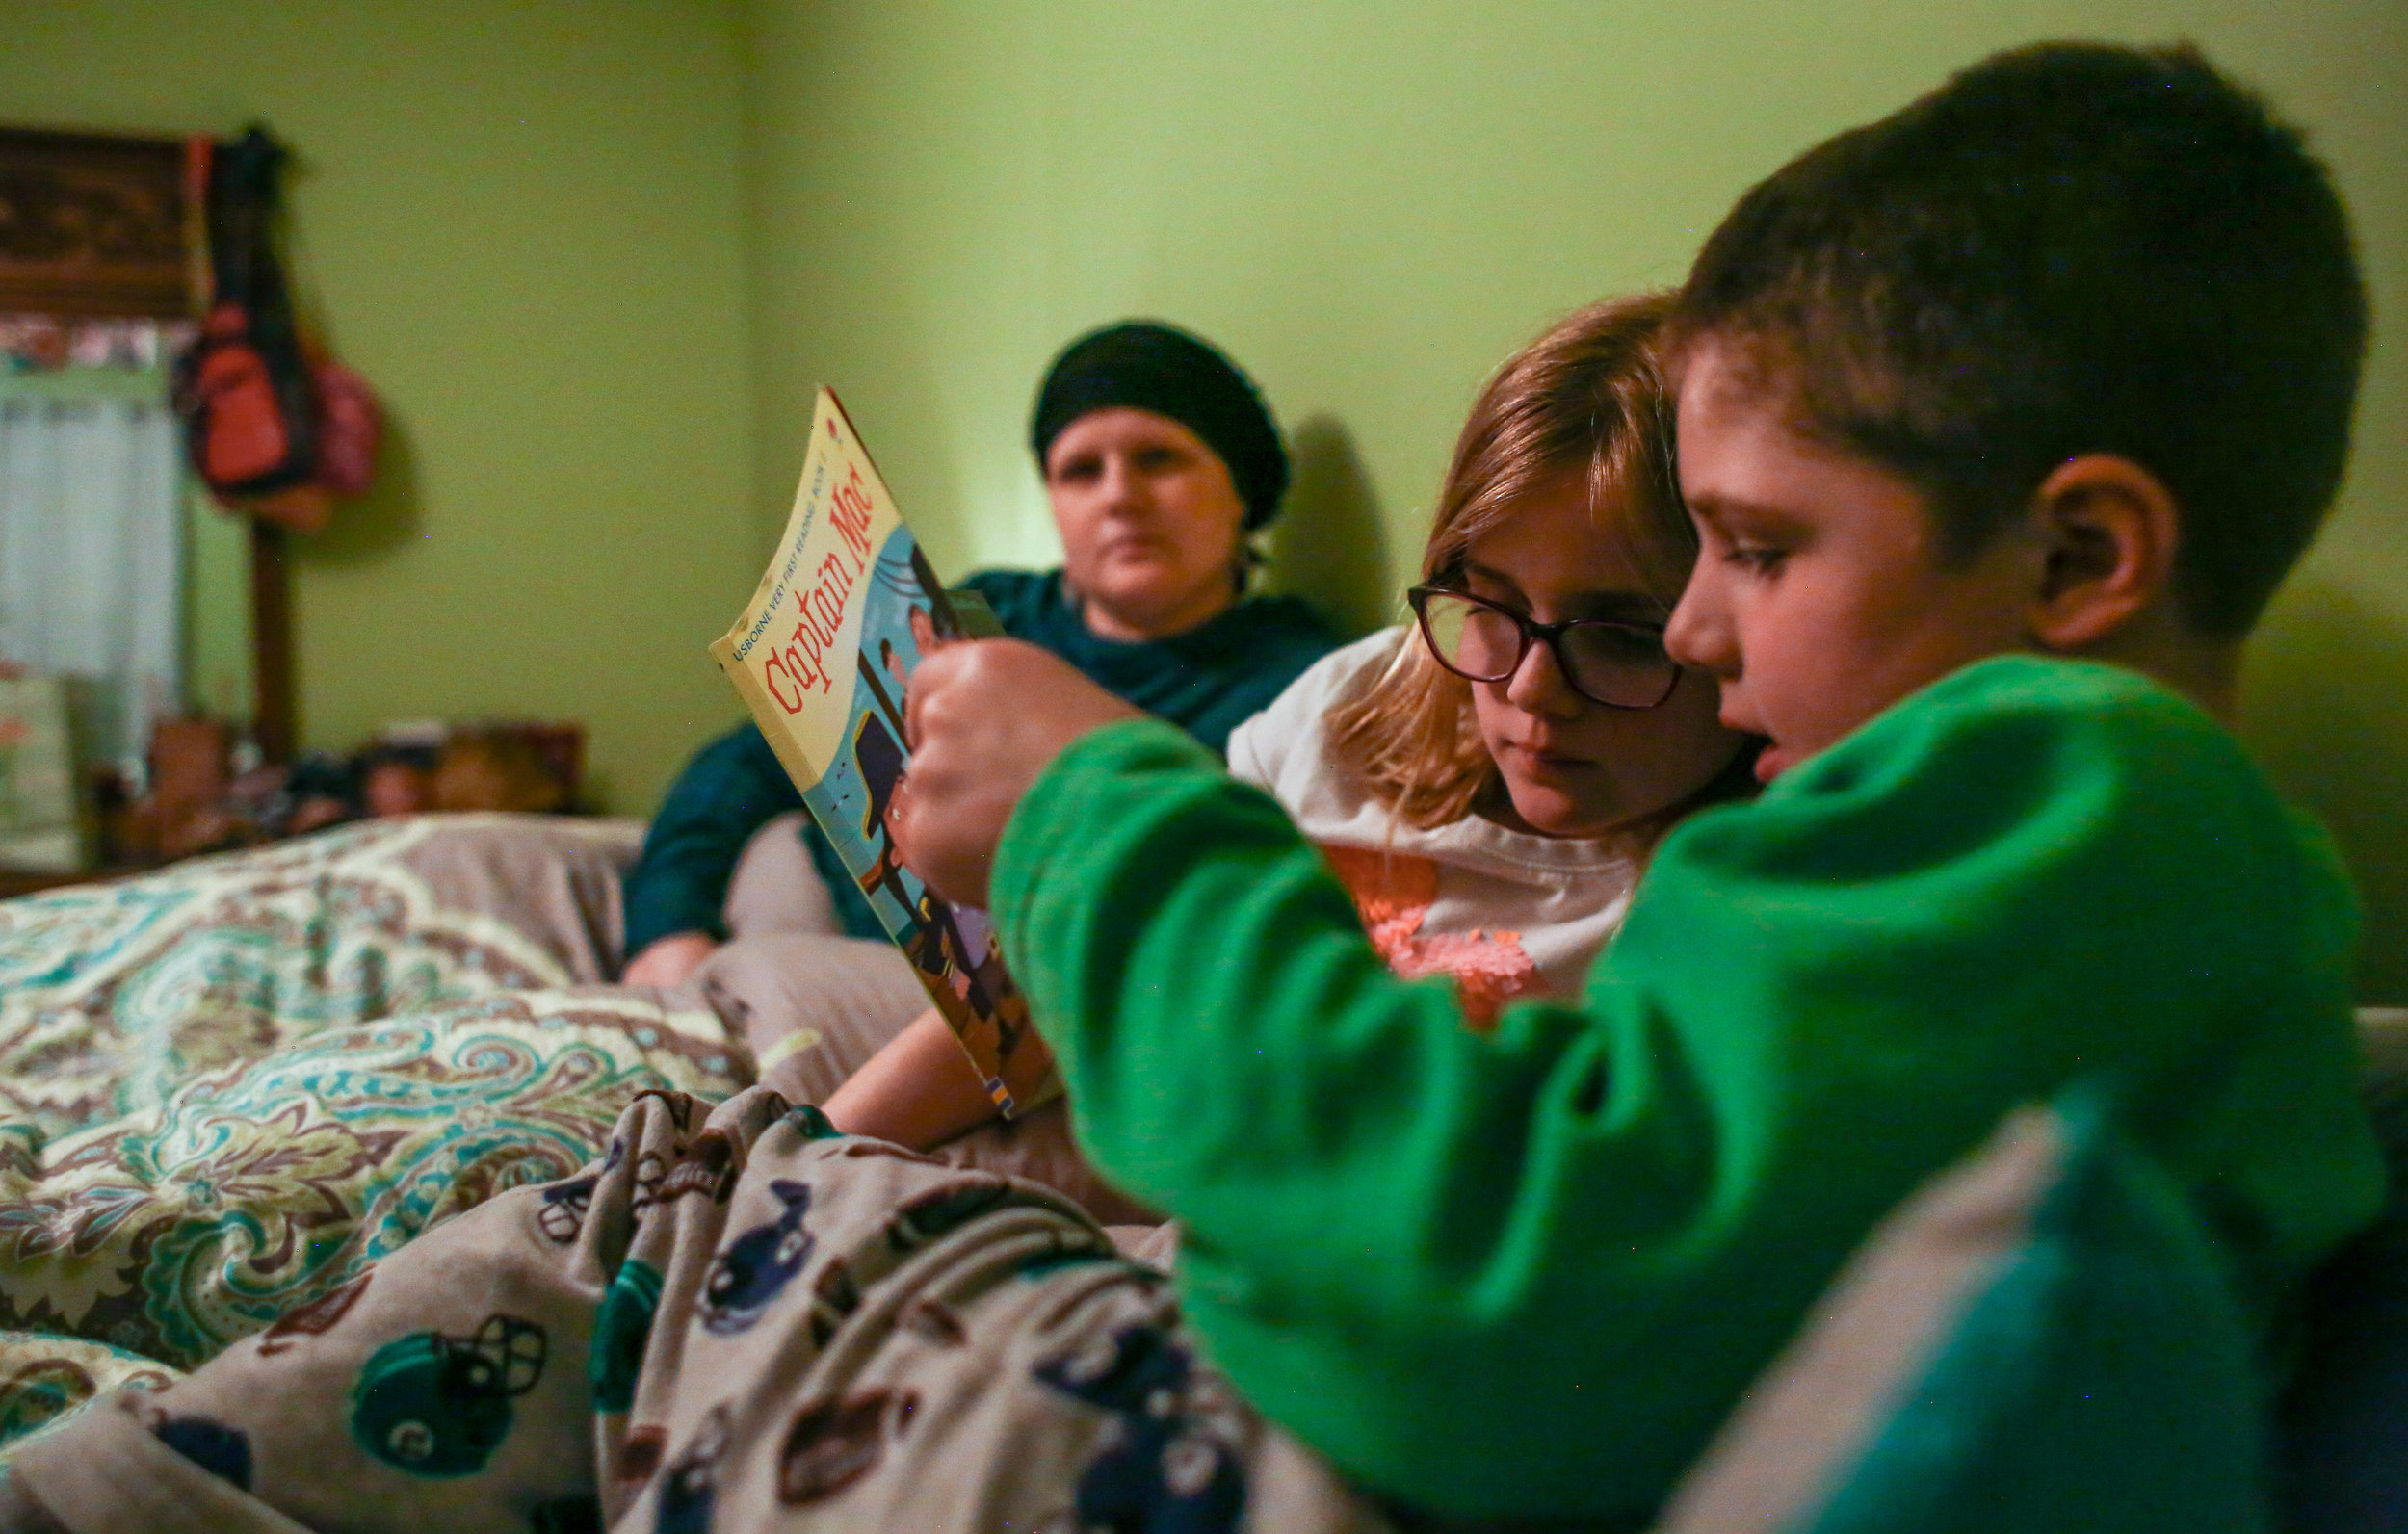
x=523, y=223
x=1369, y=204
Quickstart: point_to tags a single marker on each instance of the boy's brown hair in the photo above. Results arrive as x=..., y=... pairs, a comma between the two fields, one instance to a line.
x=1587, y=397
x=2067, y=248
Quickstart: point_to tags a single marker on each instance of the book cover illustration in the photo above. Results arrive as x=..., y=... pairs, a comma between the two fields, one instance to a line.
x=821, y=656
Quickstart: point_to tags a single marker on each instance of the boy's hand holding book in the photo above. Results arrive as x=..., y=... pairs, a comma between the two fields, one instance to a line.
x=984, y=720
x=827, y=655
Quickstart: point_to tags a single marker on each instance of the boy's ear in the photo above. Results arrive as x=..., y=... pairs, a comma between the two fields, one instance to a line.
x=2108, y=530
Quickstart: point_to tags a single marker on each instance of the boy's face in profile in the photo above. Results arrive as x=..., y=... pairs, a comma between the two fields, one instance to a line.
x=1819, y=596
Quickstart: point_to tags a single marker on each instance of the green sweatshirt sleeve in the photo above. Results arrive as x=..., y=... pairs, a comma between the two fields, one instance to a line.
x=1528, y=1273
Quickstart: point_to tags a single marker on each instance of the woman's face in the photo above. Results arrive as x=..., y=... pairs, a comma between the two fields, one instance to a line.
x=1150, y=522
x=1571, y=766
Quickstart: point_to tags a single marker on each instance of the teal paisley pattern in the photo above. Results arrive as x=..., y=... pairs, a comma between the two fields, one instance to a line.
x=45, y=1378
x=111, y=995
x=227, y=1088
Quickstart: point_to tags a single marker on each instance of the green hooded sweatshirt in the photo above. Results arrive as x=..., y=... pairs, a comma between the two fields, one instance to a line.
x=1528, y=1273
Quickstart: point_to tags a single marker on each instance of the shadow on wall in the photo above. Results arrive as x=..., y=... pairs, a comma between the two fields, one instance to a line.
x=2322, y=713
x=1331, y=546
x=380, y=521
x=386, y=517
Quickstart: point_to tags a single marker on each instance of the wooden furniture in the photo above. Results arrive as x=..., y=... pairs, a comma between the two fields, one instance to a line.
x=14, y=882
x=93, y=225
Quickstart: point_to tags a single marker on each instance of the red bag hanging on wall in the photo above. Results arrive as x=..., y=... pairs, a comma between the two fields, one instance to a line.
x=244, y=388
x=273, y=424
x=348, y=428
x=243, y=437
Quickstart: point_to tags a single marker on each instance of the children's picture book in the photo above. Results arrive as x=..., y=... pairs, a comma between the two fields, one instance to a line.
x=822, y=653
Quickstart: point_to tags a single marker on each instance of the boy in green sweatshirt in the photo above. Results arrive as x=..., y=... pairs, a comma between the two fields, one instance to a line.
x=2001, y=420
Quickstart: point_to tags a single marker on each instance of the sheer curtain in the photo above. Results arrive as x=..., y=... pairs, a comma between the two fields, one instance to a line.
x=92, y=557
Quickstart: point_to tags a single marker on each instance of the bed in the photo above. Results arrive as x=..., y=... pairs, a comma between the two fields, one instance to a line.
x=229, y=1085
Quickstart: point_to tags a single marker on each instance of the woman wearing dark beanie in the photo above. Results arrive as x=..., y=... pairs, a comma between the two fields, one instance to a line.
x=1159, y=458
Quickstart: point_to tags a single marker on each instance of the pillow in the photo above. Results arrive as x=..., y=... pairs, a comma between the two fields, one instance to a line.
x=2044, y=1339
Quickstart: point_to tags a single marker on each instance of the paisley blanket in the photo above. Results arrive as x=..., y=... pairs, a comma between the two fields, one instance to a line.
x=225, y=1087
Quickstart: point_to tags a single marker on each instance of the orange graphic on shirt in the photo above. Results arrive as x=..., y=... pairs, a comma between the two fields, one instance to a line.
x=1393, y=894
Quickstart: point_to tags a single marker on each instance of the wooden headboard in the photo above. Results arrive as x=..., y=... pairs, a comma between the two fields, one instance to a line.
x=93, y=225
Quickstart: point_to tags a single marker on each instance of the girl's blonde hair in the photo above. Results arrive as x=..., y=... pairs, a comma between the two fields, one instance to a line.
x=1586, y=398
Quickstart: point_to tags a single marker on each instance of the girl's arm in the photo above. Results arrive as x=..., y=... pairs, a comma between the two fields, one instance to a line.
x=919, y=1091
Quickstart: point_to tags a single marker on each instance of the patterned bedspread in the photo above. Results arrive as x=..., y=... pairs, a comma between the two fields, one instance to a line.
x=225, y=1087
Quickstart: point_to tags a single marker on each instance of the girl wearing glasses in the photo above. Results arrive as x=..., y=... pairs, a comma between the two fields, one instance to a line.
x=1489, y=781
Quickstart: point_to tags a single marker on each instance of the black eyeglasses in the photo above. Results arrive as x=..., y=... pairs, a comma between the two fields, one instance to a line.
x=1622, y=665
